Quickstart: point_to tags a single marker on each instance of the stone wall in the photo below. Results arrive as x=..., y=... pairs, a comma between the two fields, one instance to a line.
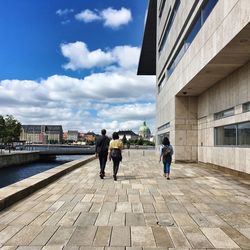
x=18, y=158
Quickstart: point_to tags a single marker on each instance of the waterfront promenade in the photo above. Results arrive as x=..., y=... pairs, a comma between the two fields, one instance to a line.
x=199, y=208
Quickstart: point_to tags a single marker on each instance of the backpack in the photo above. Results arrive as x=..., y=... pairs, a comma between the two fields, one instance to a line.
x=167, y=152
x=116, y=154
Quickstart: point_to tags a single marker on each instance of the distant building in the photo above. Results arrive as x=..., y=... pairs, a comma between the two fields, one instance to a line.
x=65, y=136
x=41, y=134
x=73, y=135
x=144, y=131
x=90, y=137
x=128, y=133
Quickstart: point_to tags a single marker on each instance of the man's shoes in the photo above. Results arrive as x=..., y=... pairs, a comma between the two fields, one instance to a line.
x=101, y=176
x=168, y=178
x=115, y=178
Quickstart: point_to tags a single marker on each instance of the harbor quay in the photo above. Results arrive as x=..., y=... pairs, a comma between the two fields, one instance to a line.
x=198, y=208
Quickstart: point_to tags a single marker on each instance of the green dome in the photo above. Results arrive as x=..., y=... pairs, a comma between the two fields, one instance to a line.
x=144, y=130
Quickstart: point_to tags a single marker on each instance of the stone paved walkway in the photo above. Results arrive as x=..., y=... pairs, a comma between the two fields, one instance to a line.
x=198, y=208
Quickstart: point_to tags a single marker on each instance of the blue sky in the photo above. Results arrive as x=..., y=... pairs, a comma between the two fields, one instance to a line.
x=74, y=63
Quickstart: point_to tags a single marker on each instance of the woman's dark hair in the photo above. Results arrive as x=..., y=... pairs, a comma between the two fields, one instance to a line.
x=115, y=136
x=166, y=141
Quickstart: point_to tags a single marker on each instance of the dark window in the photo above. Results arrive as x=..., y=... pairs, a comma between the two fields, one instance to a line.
x=243, y=134
x=246, y=107
x=169, y=25
x=224, y=113
x=207, y=9
x=233, y=135
x=225, y=135
x=190, y=36
x=162, y=5
x=161, y=84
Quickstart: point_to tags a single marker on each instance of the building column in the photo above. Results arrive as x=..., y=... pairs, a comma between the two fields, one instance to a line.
x=186, y=129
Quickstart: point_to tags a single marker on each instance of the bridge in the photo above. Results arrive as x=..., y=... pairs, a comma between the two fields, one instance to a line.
x=61, y=149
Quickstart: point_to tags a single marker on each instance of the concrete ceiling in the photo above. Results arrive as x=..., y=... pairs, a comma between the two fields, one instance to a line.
x=229, y=59
x=147, y=61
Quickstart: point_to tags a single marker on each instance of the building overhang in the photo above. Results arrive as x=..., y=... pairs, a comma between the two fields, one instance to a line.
x=233, y=56
x=147, y=61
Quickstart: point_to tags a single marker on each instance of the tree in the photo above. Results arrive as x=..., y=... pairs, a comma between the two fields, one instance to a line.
x=10, y=129
x=124, y=140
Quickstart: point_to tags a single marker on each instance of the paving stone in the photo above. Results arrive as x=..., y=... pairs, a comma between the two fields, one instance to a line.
x=6, y=218
x=54, y=247
x=183, y=219
x=117, y=219
x=102, y=237
x=69, y=219
x=136, y=219
x=39, y=220
x=148, y=208
x=44, y=236
x=108, y=206
x=137, y=208
x=82, y=207
x=103, y=218
x=162, y=237
x=196, y=238
x=218, y=238
x=120, y=236
x=142, y=236
x=54, y=219
x=24, y=236
x=178, y=238
x=83, y=236
x=91, y=248
x=8, y=247
x=114, y=248
x=86, y=219
x=96, y=207
x=8, y=232
x=241, y=240
x=61, y=236
x=123, y=207
x=29, y=248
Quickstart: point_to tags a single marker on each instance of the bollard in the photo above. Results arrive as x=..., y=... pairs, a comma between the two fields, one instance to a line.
x=143, y=153
x=128, y=153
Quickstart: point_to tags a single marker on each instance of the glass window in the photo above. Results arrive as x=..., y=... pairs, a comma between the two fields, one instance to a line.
x=225, y=135
x=169, y=25
x=246, y=107
x=224, y=113
x=244, y=134
x=207, y=9
x=162, y=4
x=194, y=29
x=161, y=137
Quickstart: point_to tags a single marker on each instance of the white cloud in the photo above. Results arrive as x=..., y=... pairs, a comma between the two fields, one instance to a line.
x=64, y=12
x=74, y=102
x=111, y=18
x=140, y=111
x=80, y=57
x=87, y=16
x=115, y=18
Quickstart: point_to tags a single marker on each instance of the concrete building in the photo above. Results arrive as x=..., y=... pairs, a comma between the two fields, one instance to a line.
x=199, y=51
x=73, y=135
x=41, y=134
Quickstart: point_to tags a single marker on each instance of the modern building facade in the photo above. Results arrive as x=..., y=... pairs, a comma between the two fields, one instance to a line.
x=42, y=134
x=199, y=51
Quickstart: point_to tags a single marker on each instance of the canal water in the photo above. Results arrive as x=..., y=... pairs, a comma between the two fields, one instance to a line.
x=10, y=175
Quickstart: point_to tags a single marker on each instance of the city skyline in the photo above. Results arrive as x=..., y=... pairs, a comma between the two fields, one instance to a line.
x=75, y=64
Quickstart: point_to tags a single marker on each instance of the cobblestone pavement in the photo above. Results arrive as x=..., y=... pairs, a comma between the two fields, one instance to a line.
x=199, y=208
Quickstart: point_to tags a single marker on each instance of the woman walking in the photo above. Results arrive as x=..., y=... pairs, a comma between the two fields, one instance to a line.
x=115, y=153
x=166, y=152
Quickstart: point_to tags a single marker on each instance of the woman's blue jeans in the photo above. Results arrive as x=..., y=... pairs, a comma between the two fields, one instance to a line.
x=166, y=167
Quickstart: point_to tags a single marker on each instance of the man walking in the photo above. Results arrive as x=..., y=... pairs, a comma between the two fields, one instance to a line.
x=101, y=150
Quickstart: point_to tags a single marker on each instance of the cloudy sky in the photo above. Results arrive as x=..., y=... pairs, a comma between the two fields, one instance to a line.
x=74, y=63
